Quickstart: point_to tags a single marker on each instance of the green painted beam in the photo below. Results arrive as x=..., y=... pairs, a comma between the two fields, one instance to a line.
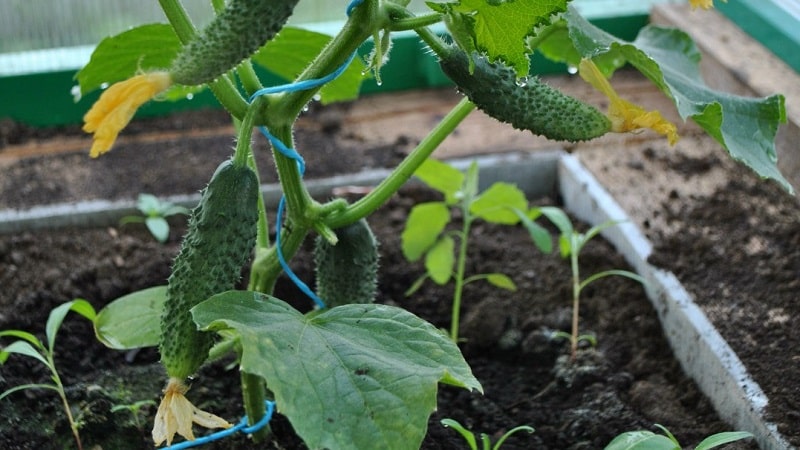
x=769, y=24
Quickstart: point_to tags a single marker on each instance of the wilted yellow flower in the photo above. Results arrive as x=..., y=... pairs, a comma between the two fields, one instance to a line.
x=624, y=115
x=117, y=105
x=176, y=414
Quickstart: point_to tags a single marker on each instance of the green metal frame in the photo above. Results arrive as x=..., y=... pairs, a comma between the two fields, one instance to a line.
x=769, y=24
x=45, y=99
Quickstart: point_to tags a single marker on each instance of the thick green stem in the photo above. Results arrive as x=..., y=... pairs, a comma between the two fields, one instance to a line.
x=223, y=88
x=412, y=23
x=364, y=21
x=378, y=196
x=254, y=396
x=248, y=76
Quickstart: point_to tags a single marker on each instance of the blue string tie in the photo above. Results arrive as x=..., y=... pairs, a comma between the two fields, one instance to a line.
x=241, y=426
x=301, y=164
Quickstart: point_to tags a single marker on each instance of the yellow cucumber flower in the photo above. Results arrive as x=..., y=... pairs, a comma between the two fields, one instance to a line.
x=705, y=4
x=117, y=105
x=624, y=115
x=176, y=414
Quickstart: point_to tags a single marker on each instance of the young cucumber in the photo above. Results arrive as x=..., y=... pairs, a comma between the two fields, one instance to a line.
x=221, y=237
x=348, y=271
x=235, y=34
x=529, y=105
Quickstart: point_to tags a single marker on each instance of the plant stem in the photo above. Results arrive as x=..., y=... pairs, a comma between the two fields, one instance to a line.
x=253, y=394
x=576, y=295
x=386, y=188
x=461, y=264
x=63, y=395
x=412, y=23
x=223, y=88
x=364, y=21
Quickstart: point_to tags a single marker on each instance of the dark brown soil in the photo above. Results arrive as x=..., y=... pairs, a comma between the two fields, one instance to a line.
x=630, y=381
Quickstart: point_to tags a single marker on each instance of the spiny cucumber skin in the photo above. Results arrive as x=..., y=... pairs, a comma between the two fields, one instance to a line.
x=235, y=34
x=221, y=237
x=348, y=271
x=533, y=105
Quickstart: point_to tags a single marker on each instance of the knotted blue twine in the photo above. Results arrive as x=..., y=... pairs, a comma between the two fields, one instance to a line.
x=293, y=154
x=301, y=164
x=241, y=426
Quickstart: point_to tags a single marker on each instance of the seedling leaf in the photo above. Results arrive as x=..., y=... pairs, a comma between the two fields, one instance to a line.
x=497, y=204
x=721, y=439
x=22, y=348
x=468, y=436
x=539, y=235
x=442, y=177
x=58, y=313
x=440, y=260
x=359, y=376
x=424, y=224
x=502, y=281
x=158, y=227
x=641, y=440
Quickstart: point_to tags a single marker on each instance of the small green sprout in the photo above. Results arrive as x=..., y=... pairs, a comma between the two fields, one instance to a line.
x=29, y=345
x=486, y=443
x=135, y=409
x=647, y=440
x=154, y=215
x=571, y=242
x=425, y=232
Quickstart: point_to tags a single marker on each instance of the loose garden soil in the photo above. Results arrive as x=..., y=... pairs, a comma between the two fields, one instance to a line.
x=630, y=381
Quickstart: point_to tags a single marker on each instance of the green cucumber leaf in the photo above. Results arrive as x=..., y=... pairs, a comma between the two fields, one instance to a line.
x=116, y=58
x=424, y=224
x=133, y=320
x=291, y=51
x=497, y=204
x=353, y=377
x=745, y=127
x=501, y=28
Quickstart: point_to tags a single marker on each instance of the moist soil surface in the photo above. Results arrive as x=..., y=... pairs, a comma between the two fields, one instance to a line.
x=736, y=241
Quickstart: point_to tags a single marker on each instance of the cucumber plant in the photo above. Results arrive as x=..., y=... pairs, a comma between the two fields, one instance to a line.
x=445, y=251
x=368, y=349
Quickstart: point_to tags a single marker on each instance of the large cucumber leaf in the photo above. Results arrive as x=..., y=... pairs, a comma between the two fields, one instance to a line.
x=745, y=127
x=354, y=377
x=501, y=28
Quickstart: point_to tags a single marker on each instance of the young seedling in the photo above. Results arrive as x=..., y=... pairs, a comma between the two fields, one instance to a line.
x=425, y=233
x=154, y=215
x=30, y=346
x=136, y=409
x=647, y=440
x=486, y=443
x=571, y=242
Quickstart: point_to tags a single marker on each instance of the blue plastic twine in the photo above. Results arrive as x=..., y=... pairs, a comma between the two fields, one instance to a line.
x=241, y=426
x=301, y=164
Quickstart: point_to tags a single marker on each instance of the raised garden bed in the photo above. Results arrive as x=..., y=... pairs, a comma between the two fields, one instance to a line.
x=631, y=382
